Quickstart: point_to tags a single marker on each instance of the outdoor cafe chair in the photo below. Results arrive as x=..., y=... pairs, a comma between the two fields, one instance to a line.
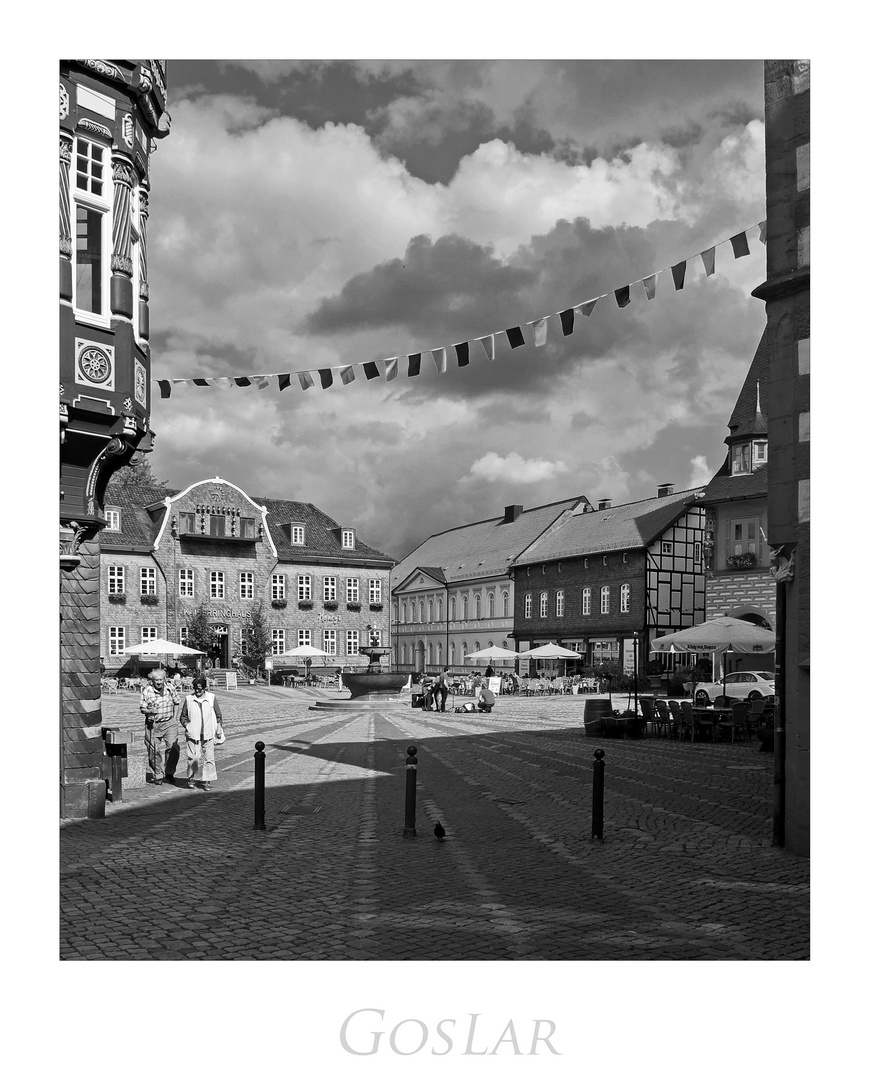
x=705, y=725
x=757, y=709
x=676, y=716
x=737, y=720
x=664, y=722
x=648, y=713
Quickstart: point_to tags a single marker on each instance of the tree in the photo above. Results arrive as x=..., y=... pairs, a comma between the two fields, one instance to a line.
x=140, y=473
x=257, y=637
x=201, y=634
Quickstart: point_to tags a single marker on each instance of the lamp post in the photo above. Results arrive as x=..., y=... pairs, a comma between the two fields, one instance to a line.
x=636, y=703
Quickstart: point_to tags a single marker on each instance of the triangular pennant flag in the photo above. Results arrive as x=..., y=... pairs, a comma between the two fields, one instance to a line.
x=243, y=381
x=679, y=273
x=709, y=260
x=740, y=245
x=371, y=370
x=762, y=231
x=414, y=364
x=199, y=382
x=539, y=326
x=346, y=374
x=283, y=381
x=461, y=353
x=588, y=307
x=165, y=387
x=305, y=380
x=262, y=382
x=325, y=378
x=623, y=296
x=515, y=337
x=488, y=344
x=439, y=356
x=391, y=368
x=649, y=283
x=567, y=318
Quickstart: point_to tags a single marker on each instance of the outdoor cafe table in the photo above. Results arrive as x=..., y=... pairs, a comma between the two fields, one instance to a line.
x=714, y=711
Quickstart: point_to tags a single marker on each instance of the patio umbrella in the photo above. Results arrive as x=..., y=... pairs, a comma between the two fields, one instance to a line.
x=718, y=635
x=496, y=652
x=160, y=646
x=306, y=652
x=551, y=651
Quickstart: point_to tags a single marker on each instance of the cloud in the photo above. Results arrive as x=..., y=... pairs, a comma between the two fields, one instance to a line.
x=515, y=468
x=701, y=471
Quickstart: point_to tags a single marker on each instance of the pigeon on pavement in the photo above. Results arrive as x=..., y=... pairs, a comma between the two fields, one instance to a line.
x=439, y=830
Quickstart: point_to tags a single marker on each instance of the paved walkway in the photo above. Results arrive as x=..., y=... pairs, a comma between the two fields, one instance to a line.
x=686, y=871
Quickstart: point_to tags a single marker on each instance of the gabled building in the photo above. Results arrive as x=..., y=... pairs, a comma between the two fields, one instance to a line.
x=453, y=595
x=737, y=556
x=165, y=553
x=596, y=578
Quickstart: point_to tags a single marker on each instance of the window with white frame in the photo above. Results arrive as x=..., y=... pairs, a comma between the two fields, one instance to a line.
x=348, y=540
x=330, y=593
x=330, y=642
x=587, y=601
x=477, y=605
x=149, y=633
x=278, y=641
x=117, y=640
x=217, y=586
x=741, y=459
x=439, y=610
x=115, y=580
x=429, y=610
x=624, y=597
x=113, y=521
x=490, y=605
x=374, y=636
x=303, y=637
x=464, y=607
x=351, y=638
x=375, y=592
x=527, y=606
x=412, y=611
x=505, y=603
x=303, y=587
x=743, y=537
x=297, y=534
x=185, y=583
x=452, y=608
x=147, y=581
x=92, y=201
x=404, y=612
x=352, y=592
x=279, y=588
x=543, y=602
x=246, y=585
x=759, y=452
x=560, y=604
x=605, y=600
x=183, y=635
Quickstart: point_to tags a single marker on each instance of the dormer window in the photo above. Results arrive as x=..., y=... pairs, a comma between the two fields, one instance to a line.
x=759, y=452
x=113, y=520
x=348, y=539
x=297, y=534
x=740, y=459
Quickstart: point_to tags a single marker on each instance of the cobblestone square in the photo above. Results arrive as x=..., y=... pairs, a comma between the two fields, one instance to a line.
x=687, y=870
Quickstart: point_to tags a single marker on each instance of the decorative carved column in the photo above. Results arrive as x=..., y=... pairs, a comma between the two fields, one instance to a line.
x=65, y=240
x=143, y=261
x=122, y=264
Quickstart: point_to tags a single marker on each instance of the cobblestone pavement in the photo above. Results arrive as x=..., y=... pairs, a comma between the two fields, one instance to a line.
x=686, y=870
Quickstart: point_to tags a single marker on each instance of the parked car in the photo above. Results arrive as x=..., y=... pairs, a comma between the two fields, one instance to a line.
x=748, y=685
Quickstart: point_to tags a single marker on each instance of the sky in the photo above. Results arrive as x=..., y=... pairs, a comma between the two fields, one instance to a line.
x=309, y=214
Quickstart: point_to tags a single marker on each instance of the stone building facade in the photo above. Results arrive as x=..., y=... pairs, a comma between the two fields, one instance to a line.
x=167, y=553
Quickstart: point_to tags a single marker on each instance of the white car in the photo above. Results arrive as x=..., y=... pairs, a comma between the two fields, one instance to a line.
x=740, y=685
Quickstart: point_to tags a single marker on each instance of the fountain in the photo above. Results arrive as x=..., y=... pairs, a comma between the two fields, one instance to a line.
x=371, y=690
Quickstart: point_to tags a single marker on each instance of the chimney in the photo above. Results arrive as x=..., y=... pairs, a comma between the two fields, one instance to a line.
x=604, y=504
x=665, y=490
x=511, y=513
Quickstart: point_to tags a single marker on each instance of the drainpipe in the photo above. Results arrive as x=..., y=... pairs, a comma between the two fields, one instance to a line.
x=779, y=719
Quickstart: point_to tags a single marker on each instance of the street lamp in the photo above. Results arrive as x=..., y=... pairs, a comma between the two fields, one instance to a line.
x=636, y=703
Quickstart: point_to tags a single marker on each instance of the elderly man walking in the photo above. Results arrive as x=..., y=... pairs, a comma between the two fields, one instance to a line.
x=159, y=702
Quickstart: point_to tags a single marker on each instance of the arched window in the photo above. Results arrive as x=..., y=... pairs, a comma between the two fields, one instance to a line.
x=429, y=653
x=544, y=601
x=587, y=601
x=605, y=599
x=477, y=649
x=452, y=653
x=477, y=605
x=527, y=605
x=440, y=655
x=439, y=609
x=490, y=605
x=505, y=603
x=464, y=651
x=404, y=654
x=624, y=597
x=413, y=612
x=505, y=645
x=395, y=613
x=429, y=611
x=464, y=607
x=404, y=612
x=453, y=609
x=560, y=604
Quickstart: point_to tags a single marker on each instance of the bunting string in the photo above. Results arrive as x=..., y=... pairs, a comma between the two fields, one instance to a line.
x=536, y=330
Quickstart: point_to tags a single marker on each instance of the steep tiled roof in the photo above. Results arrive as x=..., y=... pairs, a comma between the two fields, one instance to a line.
x=744, y=419
x=322, y=533
x=483, y=548
x=618, y=528
x=742, y=486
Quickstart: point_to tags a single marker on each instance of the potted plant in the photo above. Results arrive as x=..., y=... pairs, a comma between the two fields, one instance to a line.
x=745, y=561
x=149, y=598
x=304, y=605
x=117, y=598
x=331, y=605
x=279, y=603
x=353, y=605
x=376, y=607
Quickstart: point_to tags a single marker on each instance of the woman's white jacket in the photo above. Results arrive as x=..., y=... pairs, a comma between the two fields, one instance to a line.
x=201, y=716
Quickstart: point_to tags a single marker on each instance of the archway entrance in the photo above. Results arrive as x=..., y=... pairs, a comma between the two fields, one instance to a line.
x=220, y=655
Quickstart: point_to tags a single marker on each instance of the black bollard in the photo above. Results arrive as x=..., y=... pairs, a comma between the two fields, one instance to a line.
x=411, y=793
x=260, y=786
x=598, y=795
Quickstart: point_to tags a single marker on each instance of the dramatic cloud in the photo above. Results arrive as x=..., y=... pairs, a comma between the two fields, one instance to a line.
x=515, y=469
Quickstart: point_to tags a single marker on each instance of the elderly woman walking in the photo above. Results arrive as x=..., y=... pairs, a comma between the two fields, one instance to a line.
x=201, y=719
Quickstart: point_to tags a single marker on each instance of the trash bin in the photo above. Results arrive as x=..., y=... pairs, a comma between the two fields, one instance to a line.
x=594, y=710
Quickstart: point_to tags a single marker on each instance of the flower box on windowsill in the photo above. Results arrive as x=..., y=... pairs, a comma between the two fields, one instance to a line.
x=117, y=598
x=279, y=603
x=331, y=605
x=376, y=607
x=353, y=606
x=306, y=605
x=746, y=561
x=149, y=598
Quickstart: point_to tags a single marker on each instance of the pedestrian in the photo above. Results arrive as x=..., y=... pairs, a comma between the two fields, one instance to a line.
x=159, y=702
x=201, y=719
x=441, y=691
x=428, y=696
x=490, y=671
